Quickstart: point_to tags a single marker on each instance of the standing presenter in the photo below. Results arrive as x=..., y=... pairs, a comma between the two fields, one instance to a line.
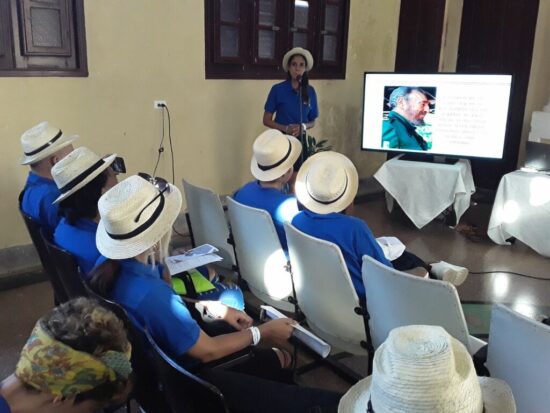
x=285, y=99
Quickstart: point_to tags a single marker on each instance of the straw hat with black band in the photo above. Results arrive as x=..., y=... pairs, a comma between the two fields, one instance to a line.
x=135, y=215
x=327, y=182
x=77, y=169
x=273, y=155
x=422, y=369
x=301, y=52
x=43, y=140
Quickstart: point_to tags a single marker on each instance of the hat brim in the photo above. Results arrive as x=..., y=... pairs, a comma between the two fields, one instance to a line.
x=277, y=172
x=108, y=161
x=298, y=51
x=129, y=248
x=497, y=397
x=347, y=198
x=62, y=142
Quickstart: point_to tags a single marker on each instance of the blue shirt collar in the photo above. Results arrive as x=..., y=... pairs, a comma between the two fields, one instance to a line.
x=34, y=179
x=133, y=266
x=315, y=215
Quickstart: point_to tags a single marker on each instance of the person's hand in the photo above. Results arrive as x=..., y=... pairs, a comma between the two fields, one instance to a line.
x=293, y=129
x=277, y=330
x=237, y=319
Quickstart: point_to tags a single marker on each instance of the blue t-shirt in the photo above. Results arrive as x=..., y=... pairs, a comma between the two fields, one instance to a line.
x=4, y=407
x=284, y=101
x=38, y=201
x=282, y=207
x=152, y=304
x=351, y=234
x=79, y=240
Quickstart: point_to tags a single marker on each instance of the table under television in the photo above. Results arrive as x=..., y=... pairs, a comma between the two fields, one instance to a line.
x=424, y=190
x=522, y=210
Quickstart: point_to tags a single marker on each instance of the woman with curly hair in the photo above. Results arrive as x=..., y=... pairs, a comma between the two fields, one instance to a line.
x=76, y=360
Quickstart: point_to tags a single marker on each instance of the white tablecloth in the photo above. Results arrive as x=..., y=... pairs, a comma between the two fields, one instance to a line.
x=424, y=190
x=522, y=210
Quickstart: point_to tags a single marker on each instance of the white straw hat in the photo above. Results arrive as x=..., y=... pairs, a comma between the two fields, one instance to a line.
x=77, y=169
x=135, y=215
x=43, y=140
x=422, y=369
x=273, y=154
x=298, y=51
x=327, y=182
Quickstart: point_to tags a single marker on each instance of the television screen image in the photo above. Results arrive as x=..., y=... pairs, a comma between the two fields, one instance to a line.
x=453, y=115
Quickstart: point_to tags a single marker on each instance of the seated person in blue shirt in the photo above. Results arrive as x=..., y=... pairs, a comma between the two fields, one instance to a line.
x=82, y=177
x=326, y=185
x=272, y=160
x=283, y=100
x=43, y=146
x=409, y=106
x=133, y=233
x=76, y=360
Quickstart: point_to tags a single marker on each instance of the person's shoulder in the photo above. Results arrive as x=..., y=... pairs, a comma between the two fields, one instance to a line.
x=245, y=190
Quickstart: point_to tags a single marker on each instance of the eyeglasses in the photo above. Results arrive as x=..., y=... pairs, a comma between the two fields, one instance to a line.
x=161, y=184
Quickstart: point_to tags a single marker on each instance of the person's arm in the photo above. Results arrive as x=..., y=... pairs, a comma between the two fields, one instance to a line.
x=216, y=310
x=208, y=348
x=270, y=123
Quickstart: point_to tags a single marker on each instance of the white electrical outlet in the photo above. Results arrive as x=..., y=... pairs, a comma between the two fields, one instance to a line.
x=159, y=104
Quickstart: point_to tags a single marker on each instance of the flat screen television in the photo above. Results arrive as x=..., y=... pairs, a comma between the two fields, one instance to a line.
x=447, y=114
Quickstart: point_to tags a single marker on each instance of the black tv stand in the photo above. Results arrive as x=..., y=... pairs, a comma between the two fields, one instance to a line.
x=416, y=157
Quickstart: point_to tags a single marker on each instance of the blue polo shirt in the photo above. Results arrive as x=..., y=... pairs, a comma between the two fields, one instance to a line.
x=284, y=101
x=282, y=207
x=79, y=240
x=4, y=407
x=153, y=305
x=351, y=234
x=38, y=201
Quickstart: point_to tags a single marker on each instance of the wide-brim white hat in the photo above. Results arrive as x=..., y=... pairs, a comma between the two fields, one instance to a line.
x=273, y=154
x=77, y=169
x=298, y=51
x=327, y=182
x=422, y=369
x=43, y=140
x=135, y=215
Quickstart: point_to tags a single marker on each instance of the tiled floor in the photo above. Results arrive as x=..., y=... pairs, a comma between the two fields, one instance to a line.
x=21, y=307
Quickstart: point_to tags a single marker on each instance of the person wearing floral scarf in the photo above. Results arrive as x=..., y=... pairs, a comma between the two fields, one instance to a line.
x=76, y=360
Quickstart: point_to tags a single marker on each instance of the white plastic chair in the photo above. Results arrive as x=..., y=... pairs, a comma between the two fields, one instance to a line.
x=396, y=299
x=262, y=261
x=325, y=292
x=208, y=222
x=519, y=354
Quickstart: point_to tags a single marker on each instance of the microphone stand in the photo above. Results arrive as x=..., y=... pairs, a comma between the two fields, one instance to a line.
x=303, y=139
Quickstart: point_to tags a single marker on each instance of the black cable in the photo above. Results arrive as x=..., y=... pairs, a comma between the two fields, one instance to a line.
x=510, y=272
x=161, y=148
x=172, y=156
x=171, y=146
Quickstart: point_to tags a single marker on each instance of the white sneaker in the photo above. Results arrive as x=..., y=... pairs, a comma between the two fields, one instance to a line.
x=448, y=272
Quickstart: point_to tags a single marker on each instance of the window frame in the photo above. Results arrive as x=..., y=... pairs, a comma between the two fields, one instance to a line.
x=250, y=66
x=13, y=8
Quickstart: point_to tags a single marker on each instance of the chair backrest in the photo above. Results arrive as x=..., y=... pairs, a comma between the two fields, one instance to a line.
x=67, y=269
x=262, y=261
x=185, y=392
x=396, y=299
x=519, y=354
x=146, y=389
x=325, y=292
x=35, y=232
x=208, y=221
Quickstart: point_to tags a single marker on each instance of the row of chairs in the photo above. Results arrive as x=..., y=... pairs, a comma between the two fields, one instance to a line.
x=161, y=384
x=316, y=277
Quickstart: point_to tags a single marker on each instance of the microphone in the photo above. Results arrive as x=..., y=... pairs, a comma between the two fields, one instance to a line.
x=299, y=78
